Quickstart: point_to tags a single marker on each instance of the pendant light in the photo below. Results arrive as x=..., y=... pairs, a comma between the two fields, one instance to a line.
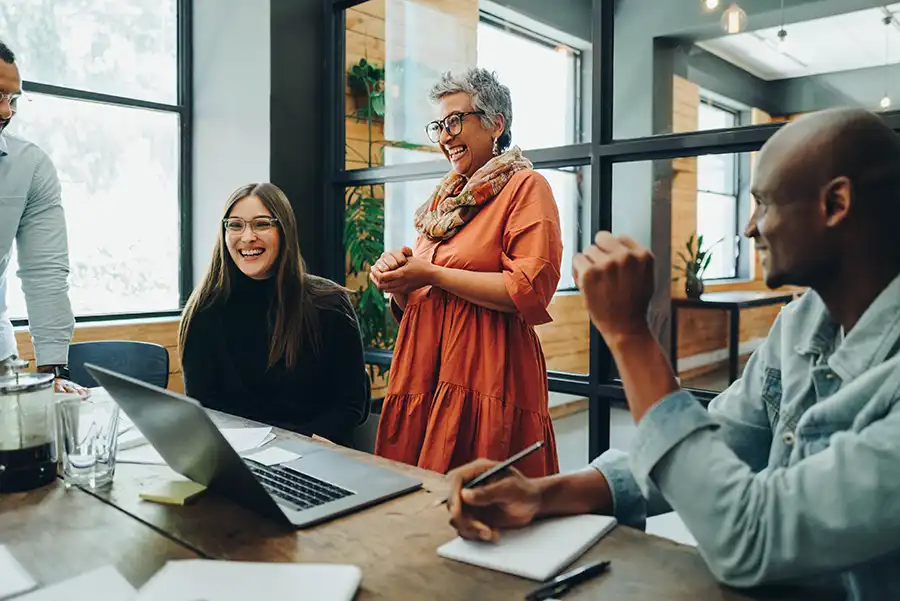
x=782, y=33
x=734, y=19
x=710, y=4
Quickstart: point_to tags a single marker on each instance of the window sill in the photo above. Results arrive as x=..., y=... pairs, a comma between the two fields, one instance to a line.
x=21, y=325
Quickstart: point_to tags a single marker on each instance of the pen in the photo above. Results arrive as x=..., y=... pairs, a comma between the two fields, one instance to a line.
x=561, y=584
x=500, y=467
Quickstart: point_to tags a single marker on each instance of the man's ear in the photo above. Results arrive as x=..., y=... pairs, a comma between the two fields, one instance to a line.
x=837, y=197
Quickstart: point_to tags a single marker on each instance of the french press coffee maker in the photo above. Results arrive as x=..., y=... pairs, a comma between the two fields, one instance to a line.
x=28, y=454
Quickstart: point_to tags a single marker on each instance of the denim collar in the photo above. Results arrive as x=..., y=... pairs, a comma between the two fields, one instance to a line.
x=872, y=339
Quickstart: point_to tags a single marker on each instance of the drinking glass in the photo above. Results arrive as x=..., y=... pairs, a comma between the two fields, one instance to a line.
x=88, y=430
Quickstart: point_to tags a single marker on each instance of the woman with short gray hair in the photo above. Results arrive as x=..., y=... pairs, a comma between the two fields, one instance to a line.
x=468, y=377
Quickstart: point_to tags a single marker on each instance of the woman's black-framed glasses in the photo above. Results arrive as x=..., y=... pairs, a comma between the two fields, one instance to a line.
x=235, y=226
x=453, y=123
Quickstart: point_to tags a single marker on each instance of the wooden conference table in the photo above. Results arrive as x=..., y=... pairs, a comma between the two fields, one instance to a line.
x=57, y=534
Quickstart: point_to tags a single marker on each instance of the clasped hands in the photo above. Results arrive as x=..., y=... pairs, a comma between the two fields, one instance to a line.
x=399, y=272
x=615, y=275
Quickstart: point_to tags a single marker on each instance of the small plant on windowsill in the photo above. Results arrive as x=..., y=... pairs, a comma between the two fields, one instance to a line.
x=694, y=265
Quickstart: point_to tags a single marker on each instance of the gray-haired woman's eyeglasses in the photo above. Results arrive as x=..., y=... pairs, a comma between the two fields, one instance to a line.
x=453, y=123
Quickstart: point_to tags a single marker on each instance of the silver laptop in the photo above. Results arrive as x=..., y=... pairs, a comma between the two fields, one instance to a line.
x=321, y=484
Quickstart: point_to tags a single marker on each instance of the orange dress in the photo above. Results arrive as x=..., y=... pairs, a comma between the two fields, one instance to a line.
x=468, y=382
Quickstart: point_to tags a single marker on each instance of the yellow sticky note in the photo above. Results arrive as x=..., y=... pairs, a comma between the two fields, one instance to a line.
x=178, y=492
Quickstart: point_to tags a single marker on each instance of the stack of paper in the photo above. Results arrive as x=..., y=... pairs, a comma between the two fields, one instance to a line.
x=241, y=439
x=238, y=581
x=104, y=584
x=212, y=581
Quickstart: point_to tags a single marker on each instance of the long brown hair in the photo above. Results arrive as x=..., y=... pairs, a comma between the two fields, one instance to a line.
x=299, y=295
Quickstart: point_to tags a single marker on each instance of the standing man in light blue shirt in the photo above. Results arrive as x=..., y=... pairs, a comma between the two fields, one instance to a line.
x=31, y=215
x=793, y=474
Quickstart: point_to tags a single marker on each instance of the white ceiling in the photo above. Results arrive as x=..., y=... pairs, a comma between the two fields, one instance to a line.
x=838, y=43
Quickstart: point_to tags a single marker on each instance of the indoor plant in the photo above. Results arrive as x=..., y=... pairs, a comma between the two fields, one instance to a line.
x=695, y=263
x=366, y=83
x=364, y=216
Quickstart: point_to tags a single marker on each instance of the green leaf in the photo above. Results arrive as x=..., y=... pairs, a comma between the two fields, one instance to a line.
x=377, y=101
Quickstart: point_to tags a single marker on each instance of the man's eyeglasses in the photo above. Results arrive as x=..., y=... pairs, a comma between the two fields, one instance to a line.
x=12, y=98
x=452, y=123
x=235, y=226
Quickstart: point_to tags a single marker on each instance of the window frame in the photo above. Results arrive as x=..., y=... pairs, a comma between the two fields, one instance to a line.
x=184, y=109
x=734, y=193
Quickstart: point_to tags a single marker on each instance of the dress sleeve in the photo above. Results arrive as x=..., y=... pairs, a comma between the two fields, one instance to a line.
x=532, y=248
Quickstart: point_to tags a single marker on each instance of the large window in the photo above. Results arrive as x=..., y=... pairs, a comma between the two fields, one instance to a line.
x=104, y=100
x=718, y=177
x=551, y=118
x=520, y=58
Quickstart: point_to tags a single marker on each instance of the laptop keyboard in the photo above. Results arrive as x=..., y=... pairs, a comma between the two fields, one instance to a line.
x=299, y=489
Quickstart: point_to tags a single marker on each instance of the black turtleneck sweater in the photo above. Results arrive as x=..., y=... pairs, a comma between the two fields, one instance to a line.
x=226, y=357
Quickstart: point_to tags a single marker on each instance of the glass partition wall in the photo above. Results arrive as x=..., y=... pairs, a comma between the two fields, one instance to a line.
x=644, y=116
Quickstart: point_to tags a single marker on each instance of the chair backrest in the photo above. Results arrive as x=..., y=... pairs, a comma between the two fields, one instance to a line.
x=144, y=361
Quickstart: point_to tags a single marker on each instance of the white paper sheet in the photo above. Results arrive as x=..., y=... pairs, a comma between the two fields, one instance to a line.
x=210, y=580
x=272, y=456
x=103, y=584
x=13, y=577
x=241, y=439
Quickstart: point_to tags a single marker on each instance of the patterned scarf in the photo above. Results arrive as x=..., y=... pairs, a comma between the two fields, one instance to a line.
x=457, y=200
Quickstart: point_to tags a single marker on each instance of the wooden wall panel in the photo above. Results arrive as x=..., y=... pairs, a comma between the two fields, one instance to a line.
x=162, y=331
x=566, y=340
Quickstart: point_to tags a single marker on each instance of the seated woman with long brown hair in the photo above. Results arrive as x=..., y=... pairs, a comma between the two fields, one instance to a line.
x=262, y=338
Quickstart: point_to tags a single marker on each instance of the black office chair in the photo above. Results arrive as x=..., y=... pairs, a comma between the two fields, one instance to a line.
x=144, y=361
x=364, y=435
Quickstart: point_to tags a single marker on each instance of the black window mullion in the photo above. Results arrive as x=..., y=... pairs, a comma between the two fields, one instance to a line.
x=185, y=51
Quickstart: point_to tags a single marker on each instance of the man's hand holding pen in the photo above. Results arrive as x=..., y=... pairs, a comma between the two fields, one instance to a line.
x=509, y=501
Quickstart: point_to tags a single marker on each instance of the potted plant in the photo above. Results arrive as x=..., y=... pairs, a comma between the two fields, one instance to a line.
x=366, y=83
x=695, y=263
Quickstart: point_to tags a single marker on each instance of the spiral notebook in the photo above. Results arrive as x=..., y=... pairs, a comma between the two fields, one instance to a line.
x=539, y=551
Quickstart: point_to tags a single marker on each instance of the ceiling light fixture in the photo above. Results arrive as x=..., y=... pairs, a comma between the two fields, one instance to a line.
x=734, y=19
x=782, y=33
x=711, y=4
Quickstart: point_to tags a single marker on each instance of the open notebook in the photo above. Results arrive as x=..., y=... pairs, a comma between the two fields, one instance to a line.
x=209, y=580
x=539, y=551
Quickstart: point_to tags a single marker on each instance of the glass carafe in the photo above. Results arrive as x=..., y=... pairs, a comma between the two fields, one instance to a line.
x=28, y=454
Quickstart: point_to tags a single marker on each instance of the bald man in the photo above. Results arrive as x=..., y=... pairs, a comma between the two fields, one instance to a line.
x=794, y=471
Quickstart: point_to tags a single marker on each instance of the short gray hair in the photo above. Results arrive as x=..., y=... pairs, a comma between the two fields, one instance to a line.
x=488, y=96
